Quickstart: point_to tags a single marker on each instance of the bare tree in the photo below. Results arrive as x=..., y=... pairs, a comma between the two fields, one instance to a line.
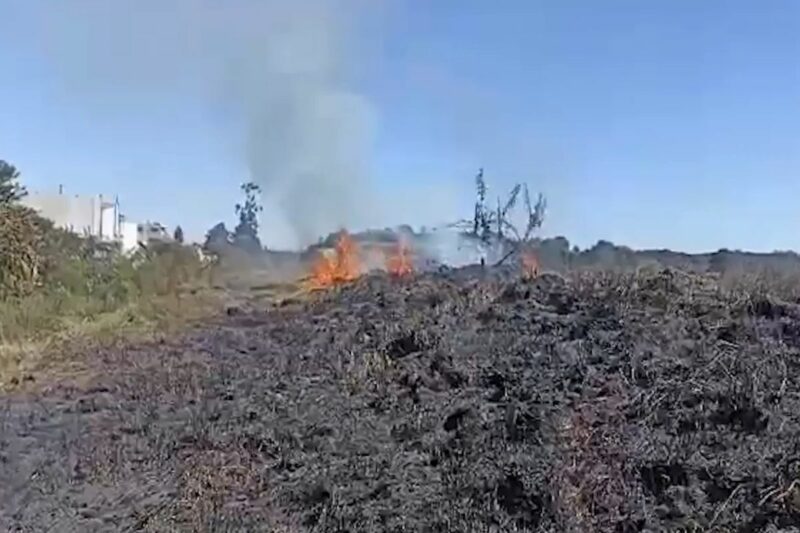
x=535, y=219
x=535, y=214
x=495, y=227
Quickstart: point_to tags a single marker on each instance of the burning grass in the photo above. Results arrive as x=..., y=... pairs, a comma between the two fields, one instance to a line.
x=400, y=261
x=345, y=264
x=529, y=263
x=342, y=265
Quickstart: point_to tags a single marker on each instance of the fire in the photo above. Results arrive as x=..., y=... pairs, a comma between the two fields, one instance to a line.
x=341, y=266
x=401, y=261
x=530, y=264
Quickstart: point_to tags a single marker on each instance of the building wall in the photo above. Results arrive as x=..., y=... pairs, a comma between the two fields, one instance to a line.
x=95, y=216
x=152, y=231
x=73, y=213
x=84, y=215
x=109, y=222
x=130, y=236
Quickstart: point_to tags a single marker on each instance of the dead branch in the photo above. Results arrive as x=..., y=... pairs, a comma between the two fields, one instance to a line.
x=495, y=226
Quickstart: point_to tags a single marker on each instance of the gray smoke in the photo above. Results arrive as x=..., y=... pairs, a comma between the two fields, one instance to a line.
x=283, y=71
x=308, y=136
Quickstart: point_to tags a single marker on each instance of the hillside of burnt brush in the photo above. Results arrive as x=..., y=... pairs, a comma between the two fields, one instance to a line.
x=456, y=401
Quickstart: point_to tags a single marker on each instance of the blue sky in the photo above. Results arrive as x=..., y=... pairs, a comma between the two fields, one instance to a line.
x=653, y=124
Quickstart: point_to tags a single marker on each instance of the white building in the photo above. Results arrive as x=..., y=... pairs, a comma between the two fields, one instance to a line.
x=149, y=232
x=129, y=235
x=95, y=216
x=84, y=215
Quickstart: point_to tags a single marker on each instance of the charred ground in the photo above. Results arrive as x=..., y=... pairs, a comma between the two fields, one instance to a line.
x=456, y=401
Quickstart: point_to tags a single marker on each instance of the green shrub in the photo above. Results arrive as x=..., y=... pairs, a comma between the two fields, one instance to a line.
x=52, y=279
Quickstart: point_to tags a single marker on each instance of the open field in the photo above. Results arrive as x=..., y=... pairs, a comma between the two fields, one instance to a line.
x=459, y=401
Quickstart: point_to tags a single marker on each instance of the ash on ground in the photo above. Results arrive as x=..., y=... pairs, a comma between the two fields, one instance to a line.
x=453, y=401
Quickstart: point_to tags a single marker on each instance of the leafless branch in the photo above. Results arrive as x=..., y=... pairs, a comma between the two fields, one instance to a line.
x=492, y=226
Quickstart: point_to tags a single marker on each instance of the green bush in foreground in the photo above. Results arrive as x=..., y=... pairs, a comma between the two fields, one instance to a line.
x=56, y=286
x=83, y=285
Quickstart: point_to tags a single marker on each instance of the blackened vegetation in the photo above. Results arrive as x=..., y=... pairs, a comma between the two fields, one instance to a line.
x=594, y=402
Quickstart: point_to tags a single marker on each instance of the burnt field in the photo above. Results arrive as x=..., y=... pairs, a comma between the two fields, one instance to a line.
x=444, y=402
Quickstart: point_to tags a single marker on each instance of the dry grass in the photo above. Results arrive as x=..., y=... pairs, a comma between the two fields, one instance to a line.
x=44, y=330
x=21, y=260
x=87, y=301
x=55, y=345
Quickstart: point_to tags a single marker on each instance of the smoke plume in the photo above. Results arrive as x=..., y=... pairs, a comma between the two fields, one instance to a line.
x=282, y=72
x=309, y=136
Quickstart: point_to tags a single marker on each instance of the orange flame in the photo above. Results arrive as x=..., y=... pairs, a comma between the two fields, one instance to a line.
x=530, y=264
x=340, y=267
x=401, y=261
